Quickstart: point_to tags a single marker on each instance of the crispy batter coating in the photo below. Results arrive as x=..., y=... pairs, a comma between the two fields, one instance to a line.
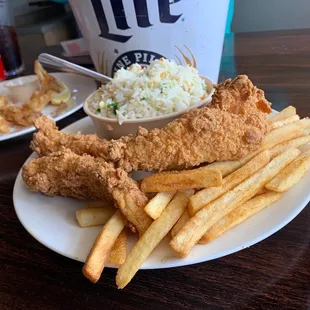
x=66, y=174
x=84, y=177
x=49, y=139
x=240, y=96
x=233, y=125
x=4, y=125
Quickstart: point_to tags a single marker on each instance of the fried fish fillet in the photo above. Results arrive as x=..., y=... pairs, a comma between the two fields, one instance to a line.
x=48, y=139
x=4, y=125
x=84, y=177
x=233, y=125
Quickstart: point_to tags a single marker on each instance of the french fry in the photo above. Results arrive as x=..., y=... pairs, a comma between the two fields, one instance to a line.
x=151, y=238
x=100, y=251
x=204, y=219
x=285, y=113
x=305, y=122
x=119, y=250
x=239, y=215
x=292, y=174
x=296, y=143
x=98, y=204
x=179, y=180
x=285, y=121
x=93, y=216
x=229, y=166
x=207, y=195
x=157, y=204
x=180, y=223
x=283, y=134
x=262, y=191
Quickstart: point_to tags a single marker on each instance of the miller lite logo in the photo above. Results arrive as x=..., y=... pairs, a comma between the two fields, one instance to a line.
x=141, y=57
x=142, y=20
x=122, y=32
x=142, y=16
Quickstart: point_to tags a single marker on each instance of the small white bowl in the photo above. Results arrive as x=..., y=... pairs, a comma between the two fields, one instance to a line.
x=21, y=89
x=109, y=128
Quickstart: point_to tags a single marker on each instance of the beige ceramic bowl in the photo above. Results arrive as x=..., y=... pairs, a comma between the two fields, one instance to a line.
x=109, y=128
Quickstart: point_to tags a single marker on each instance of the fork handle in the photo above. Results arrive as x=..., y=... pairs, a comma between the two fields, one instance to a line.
x=66, y=66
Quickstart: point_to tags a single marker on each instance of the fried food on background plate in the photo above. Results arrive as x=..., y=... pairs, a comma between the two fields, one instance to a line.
x=16, y=115
x=4, y=125
x=233, y=125
x=24, y=115
x=48, y=82
x=84, y=177
x=38, y=101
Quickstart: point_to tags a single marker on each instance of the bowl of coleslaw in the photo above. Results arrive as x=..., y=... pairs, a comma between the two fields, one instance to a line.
x=149, y=97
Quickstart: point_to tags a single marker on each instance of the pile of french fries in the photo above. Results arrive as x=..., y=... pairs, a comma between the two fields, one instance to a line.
x=198, y=205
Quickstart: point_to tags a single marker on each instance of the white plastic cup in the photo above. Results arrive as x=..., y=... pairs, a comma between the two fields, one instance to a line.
x=122, y=32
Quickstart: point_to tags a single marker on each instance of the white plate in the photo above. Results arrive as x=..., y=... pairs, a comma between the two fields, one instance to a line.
x=51, y=220
x=81, y=87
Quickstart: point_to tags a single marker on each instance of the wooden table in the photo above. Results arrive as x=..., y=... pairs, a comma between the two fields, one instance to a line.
x=274, y=274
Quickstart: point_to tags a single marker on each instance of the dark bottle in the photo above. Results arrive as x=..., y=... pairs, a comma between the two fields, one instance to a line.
x=9, y=47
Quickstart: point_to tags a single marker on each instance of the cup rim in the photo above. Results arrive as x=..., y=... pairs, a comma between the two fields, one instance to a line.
x=208, y=81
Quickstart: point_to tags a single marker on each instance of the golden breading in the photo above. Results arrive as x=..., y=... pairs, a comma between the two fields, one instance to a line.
x=232, y=126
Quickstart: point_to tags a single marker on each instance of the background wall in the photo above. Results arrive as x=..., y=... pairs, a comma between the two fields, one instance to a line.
x=22, y=7
x=266, y=15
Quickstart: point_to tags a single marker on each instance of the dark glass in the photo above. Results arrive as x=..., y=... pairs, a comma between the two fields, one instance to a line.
x=9, y=47
x=9, y=51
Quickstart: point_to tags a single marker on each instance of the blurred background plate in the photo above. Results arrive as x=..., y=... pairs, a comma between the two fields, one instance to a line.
x=81, y=87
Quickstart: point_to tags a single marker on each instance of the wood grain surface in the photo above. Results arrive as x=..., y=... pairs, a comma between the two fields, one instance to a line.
x=274, y=274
